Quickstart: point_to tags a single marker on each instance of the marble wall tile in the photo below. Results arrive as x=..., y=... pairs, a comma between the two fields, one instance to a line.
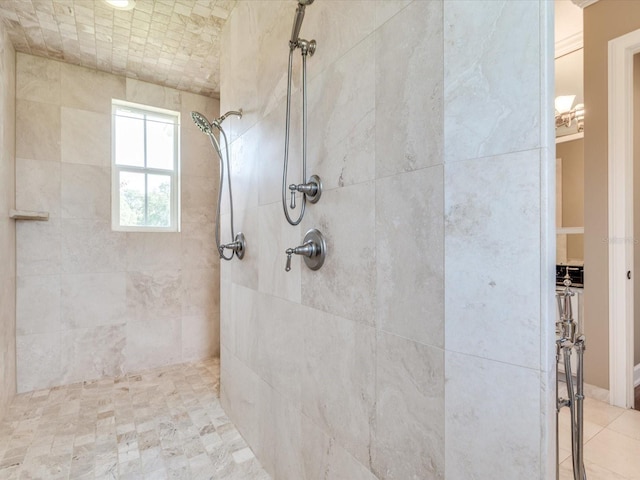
x=199, y=198
x=493, y=101
x=244, y=334
x=200, y=291
x=90, y=353
x=86, y=89
x=227, y=317
x=85, y=192
x=508, y=429
x=152, y=294
x=340, y=400
x=410, y=255
x=39, y=364
x=324, y=458
x=86, y=137
x=275, y=31
x=153, y=341
x=276, y=235
x=198, y=245
x=409, y=422
x=38, y=186
x=346, y=284
x=239, y=386
x=351, y=80
x=200, y=337
x=90, y=300
x=349, y=161
x=269, y=154
x=197, y=156
x=245, y=271
x=336, y=29
x=38, y=247
x=273, y=343
x=240, y=87
x=41, y=121
x=244, y=153
x=37, y=304
x=39, y=79
x=189, y=102
x=153, y=250
x=7, y=226
x=386, y=10
x=146, y=93
x=89, y=246
x=492, y=229
x=409, y=90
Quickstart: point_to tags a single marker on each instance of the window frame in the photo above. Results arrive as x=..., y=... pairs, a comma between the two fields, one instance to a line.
x=174, y=208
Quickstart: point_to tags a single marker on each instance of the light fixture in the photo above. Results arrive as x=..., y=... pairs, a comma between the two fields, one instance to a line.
x=121, y=4
x=565, y=115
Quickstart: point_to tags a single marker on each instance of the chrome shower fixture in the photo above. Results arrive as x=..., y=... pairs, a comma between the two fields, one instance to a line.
x=311, y=188
x=295, y=41
x=238, y=245
x=570, y=339
x=313, y=250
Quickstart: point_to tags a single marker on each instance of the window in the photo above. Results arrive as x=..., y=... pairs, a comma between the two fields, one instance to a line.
x=145, y=160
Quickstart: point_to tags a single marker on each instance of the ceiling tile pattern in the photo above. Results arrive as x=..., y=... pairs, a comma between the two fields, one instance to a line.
x=171, y=43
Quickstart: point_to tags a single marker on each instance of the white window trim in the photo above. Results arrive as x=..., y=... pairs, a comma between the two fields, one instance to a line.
x=116, y=169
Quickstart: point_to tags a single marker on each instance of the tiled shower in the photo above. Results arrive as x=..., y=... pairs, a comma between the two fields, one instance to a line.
x=426, y=125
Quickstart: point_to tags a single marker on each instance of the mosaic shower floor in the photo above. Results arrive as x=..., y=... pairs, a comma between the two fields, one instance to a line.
x=165, y=423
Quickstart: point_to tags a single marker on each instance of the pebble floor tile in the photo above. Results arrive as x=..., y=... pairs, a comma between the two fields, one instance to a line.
x=165, y=423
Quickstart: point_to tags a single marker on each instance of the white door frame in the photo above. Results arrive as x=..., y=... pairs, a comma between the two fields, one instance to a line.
x=621, y=51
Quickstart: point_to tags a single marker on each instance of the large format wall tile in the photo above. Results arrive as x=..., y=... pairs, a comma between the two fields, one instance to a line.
x=410, y=255
x=37, y=304
x=276, y=235
x=346, y=284
x=39, y=79
x=90, y=284
x=409, y=96
x=37, y=130
x=38, y=186
x=492, y=232
x=487, y=432
x=340, y=400
x=409, y=421
x=90, y=300
x=88, y=89
x=39, y=361
x=85, y=192
x=38, y=247
x=90, y=353
x=85, y=137
x=492, y=85
x=324, y=458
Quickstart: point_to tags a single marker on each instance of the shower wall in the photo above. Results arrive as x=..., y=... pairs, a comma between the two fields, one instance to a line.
x=7, y=226
x=423, y=347
x=91, y=301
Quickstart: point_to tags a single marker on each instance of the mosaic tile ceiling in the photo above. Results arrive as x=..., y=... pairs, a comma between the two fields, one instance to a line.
x=168, y=42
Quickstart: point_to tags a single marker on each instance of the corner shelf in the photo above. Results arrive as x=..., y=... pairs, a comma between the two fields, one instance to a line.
x=29, y=215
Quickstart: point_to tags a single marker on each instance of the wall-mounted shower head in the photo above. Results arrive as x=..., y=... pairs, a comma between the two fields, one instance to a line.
x=297, y=22
x=202, y=122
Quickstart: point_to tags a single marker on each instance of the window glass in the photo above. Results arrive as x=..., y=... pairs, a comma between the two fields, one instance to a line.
x=145, y=168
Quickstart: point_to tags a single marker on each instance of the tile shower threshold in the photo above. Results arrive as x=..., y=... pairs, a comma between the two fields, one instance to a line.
x=156, y=424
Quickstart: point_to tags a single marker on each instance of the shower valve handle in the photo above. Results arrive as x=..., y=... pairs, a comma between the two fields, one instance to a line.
x=293, y=189
x=313, y=250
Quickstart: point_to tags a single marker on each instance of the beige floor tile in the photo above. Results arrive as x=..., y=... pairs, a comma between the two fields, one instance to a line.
x=155, y=424
x=615, y=452
x=628, y=424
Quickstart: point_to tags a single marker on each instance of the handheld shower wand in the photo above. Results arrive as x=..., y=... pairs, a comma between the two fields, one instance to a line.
x=311, y=188
x=238, y=245
x=297, y=23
